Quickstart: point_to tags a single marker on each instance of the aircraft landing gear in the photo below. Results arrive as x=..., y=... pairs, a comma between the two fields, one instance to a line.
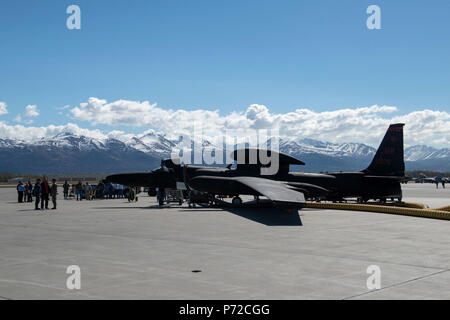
x=236, y=201
x=362, y=200
x=132, y=195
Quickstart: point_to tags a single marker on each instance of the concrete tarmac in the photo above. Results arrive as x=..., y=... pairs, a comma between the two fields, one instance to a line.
x=140, y=251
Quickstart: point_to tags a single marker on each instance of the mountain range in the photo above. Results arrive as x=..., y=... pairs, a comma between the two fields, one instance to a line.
x=68, y=153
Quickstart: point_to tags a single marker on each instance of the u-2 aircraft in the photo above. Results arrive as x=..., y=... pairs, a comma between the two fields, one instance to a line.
x=379, y=181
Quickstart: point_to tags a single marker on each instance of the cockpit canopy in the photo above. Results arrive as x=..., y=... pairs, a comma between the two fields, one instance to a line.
x=263, y=157
x=253, y=159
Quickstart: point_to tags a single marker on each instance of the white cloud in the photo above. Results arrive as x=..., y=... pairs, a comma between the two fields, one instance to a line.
x=427, y=127
x=31, y=111
x=365, y=124
x=19, y=119
x=3, y=108
x=29, y=133
x=334, y=125
x=120, y=135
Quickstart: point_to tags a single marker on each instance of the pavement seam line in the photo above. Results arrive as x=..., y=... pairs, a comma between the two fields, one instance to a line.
x=397, y=284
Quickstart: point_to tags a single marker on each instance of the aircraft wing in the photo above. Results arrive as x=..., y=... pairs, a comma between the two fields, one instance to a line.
x=151, y=179
x=276, y=191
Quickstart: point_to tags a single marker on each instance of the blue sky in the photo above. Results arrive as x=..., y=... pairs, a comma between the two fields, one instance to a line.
x=224, y=55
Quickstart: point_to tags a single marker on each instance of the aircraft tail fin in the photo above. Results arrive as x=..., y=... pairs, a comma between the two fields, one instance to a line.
x=389, y=159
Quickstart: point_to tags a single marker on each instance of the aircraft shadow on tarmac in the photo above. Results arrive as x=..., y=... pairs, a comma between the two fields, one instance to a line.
x=268, y=216
x=263, y=214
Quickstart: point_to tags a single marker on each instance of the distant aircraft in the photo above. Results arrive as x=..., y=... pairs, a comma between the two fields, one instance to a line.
x=380, y=181
x=424, y=179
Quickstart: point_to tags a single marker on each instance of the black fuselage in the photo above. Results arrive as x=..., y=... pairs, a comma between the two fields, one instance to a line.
x=333, y=186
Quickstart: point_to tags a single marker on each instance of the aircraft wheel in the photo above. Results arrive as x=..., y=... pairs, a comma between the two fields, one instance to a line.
x=364, y=200
x=237, y=201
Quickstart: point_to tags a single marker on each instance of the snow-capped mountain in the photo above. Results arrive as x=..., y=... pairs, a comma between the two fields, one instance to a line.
x=421, y=152
x=310, y=146
x=427, y=158
x=9, y=144
x=67, y=140
x=71, y=153
x=152, y=143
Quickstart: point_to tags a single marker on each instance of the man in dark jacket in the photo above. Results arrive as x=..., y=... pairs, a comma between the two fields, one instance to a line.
x=37, y=193
x=30, y=191
x=45, y=190
x=66, y=189
x=53, y=193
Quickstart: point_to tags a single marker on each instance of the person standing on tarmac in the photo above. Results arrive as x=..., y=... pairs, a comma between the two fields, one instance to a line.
x=29, y=192
x=53, y=193
x=79, y=190
x=37, y=193
x=66, y=190
x=20, y=190
x=25, y=192
x=87, y=191
x=45, y=191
